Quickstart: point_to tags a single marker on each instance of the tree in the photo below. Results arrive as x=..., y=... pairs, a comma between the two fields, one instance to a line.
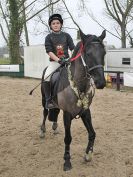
x=16, y=22
x=14, y=32
x=121, y=12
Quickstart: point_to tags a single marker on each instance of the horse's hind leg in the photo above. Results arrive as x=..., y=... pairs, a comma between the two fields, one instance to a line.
x=67, y=140
x=45, y=113
x=86, y=118
x=53, y=116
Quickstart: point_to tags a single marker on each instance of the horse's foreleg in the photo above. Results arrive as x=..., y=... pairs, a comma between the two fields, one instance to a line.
x=67, y=140
x=86, y=118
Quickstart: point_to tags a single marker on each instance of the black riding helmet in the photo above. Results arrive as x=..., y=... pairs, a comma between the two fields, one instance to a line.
x=55, y=17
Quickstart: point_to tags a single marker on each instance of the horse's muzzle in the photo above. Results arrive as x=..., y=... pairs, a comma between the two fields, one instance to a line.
x=100, y=84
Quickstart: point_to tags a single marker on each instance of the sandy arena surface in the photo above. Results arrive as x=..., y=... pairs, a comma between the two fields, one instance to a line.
x=24, y=154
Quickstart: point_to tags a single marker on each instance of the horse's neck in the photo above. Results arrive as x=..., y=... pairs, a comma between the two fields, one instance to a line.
x=79, y=75
x=77, y=64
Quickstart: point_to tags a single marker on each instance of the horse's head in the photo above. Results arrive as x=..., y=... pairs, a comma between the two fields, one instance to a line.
x=93, y=54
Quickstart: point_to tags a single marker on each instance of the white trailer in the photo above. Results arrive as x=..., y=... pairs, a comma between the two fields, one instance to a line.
x=119, y=60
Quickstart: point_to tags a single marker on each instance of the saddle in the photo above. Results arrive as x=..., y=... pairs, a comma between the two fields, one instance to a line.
x=59, y=81
x=54, y=81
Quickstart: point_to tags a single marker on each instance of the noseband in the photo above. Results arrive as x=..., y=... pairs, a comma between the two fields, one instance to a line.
x=95, y=67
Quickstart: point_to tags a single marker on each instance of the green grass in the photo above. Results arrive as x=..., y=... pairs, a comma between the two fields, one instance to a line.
x=4, y=61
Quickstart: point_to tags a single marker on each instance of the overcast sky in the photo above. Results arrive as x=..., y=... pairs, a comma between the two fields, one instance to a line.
x=87, y=25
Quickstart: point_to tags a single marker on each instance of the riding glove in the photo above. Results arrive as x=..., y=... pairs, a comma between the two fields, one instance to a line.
x=62, y=62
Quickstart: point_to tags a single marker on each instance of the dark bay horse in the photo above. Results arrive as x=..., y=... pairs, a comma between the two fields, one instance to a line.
x=75, y=90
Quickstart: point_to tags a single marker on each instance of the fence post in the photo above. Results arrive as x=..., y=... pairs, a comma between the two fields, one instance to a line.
x=118, y=81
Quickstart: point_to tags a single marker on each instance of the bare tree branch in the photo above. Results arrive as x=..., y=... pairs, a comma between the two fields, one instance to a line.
x=117, y=32
x=119, y=7
x=129, y=32
x=44, y=23
x=3, y=34
x=21, y=4
x=129, y=7
x=110, y=12
x=42, y=10
x=70, y=14
x=25, y=25
x=94, y=19
x=4, y=16
x=26, y=6
x=69, y=28
x=30, y=10
x=115, y=10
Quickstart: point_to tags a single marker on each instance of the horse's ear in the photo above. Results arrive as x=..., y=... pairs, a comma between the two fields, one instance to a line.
x=103, y=35
x=82, y=35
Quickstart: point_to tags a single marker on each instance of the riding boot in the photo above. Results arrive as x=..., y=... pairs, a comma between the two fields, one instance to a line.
x=49, y=102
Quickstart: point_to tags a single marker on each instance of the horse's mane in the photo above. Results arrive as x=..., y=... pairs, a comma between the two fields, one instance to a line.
x=76, y=49
x=93, y=38
x=90, y=38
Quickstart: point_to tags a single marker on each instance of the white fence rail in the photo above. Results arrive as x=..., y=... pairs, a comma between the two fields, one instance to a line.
x=128, y=79
x=9, y=68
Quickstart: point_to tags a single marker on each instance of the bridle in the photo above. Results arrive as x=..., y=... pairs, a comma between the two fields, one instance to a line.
x=82, y=47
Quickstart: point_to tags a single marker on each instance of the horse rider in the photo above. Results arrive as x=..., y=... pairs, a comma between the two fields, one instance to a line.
x=57, y=45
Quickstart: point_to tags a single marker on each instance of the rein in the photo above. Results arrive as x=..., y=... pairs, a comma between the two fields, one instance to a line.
x=79, y=54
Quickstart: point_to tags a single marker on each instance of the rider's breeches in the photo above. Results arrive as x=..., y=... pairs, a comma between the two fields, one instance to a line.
x=51, y=68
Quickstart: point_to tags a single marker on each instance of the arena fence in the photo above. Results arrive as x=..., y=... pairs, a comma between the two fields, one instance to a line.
x=18, y=71
x=116, y=79
x=12, y=70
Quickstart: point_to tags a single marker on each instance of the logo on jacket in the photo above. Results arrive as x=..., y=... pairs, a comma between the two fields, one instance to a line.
x=60, y=51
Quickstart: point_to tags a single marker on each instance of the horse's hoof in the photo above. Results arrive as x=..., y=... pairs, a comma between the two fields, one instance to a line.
x=88, y=157
x=54, y=126
x=67, y=166
x=56, y=131
x=43, y=128
x=42, y=134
